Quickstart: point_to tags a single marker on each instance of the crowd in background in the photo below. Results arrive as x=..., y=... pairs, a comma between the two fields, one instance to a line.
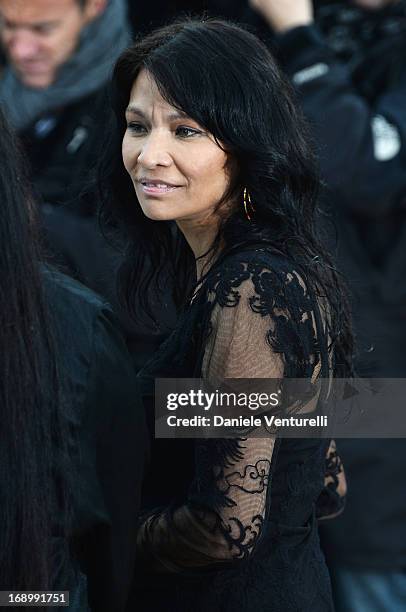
x=347, y=63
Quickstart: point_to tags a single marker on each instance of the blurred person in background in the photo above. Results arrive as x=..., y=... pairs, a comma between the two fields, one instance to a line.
x=53, y=86
x=347, y=61
x=72, y=436
x=58, y=56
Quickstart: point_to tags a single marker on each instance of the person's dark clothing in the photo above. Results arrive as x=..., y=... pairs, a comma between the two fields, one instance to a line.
x=362, y=155
x=358, y=115
x=229, y=524
x=108, y=445
x=77, y=246
x=63, y=146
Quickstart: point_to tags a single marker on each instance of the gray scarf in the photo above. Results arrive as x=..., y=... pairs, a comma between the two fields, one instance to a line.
x=101, y=42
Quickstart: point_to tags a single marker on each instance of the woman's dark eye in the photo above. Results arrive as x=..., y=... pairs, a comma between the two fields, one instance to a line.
x=186, y=132
x=136, y=128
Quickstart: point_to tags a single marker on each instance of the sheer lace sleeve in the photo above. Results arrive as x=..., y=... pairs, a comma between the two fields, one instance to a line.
x=261, y=326
x=331, y=501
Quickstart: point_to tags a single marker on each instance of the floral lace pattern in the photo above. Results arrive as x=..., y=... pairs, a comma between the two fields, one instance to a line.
x=331, y=501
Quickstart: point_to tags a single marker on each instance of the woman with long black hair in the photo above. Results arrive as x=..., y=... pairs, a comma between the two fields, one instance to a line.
x=212, y=140
x=72, y=434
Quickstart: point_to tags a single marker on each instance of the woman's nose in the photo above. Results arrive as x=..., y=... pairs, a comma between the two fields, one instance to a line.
x=155, y=152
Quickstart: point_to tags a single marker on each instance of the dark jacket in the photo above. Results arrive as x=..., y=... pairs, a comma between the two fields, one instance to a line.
x=64, y=145
x=361, y=140
x=108, y=447
x=77, y=247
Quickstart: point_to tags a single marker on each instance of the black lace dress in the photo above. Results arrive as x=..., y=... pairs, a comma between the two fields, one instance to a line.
x=231, y=524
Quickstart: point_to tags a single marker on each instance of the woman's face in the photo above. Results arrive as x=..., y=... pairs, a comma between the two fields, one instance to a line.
x=178, y=170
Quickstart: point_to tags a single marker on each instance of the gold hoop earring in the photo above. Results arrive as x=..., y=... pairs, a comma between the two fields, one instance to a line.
x=248, y=206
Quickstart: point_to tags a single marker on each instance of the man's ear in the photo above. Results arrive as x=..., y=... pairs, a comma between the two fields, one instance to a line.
x=94, y=8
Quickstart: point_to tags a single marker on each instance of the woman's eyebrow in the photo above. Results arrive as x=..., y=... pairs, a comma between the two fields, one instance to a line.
x=178, y=115
x=172, y=116
x=134, y=110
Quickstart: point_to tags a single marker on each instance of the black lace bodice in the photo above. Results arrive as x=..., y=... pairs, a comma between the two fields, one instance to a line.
x=233, y=521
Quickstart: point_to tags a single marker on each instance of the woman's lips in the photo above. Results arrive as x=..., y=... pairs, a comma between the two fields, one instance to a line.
x=157, y=188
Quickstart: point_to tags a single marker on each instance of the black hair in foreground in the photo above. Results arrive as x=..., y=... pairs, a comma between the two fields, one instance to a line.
x=32, y=439
x=224, y=78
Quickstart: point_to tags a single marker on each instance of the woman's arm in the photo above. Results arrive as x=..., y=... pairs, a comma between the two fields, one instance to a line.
x=331, y=501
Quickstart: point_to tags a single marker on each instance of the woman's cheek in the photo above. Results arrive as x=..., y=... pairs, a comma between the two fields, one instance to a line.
x=129, y=154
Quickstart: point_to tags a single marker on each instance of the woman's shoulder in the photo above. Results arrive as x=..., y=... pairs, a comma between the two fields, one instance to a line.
x=259, y=300
x=259, y=271
x=251, y=259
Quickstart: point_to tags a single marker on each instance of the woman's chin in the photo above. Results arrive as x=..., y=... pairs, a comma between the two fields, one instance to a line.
x=157, y=213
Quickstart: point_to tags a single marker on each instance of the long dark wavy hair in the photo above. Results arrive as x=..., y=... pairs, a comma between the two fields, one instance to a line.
x=224, y=78
x=32, y=437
